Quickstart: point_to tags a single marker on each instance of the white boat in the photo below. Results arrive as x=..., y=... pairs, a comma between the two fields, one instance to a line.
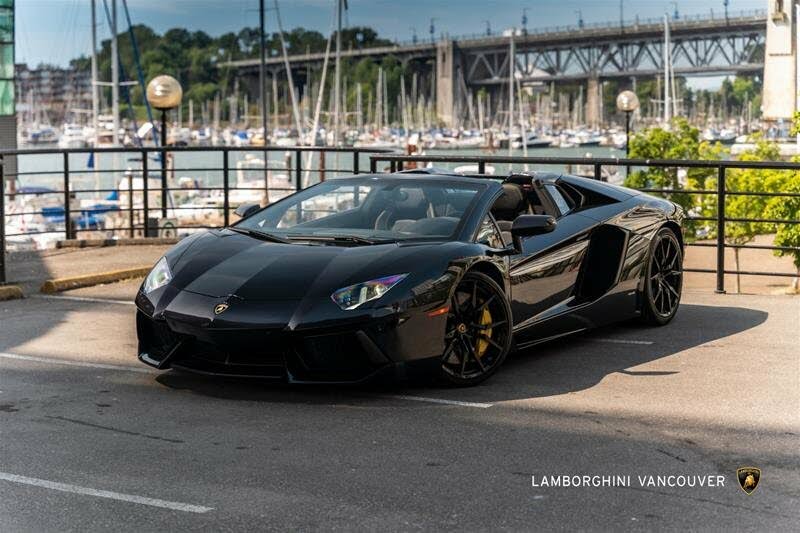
x=41, y=135
x=72, y=136
x=532, y=141
x=474, y=169
x=250, y=181
x=585, y=138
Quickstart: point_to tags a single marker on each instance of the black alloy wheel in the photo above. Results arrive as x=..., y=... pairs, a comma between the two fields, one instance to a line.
x=478, y=331
x=664, y=279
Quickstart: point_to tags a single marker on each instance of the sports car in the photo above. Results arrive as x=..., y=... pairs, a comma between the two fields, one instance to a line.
x=420, y=271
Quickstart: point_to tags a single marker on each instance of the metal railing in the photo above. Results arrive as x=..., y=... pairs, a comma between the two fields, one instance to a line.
x=149, y=164
x=396, y=164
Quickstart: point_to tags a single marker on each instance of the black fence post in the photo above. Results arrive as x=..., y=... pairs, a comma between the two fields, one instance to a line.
x=392, y=166
x=399, y=166
x=3, y=279
x=146, y=196
x=298, y=170
x=67, y=210
x=721, y=230
x=164, y=184
x=355, y=162
x=598, y=172
x=131, y=220
x=373, y=165
x=481, y=167
x=226, y=186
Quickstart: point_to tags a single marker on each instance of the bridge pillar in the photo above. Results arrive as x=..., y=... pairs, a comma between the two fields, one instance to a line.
x=445, y=81
x=593, y=102
x=780, y=88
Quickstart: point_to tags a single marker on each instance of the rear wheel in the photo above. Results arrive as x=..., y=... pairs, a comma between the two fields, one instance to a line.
x=663, y=279
x=478, y=332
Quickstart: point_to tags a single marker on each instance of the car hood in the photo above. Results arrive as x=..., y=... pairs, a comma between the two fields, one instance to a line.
x=225, y=263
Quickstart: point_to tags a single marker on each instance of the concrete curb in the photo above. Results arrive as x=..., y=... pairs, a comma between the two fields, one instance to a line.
x=10, y=292
x=64, y=284
x=100, y=243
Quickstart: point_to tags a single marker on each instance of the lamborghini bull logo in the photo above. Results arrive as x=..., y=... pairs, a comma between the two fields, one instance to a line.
x=220, y=308
x=748, y=477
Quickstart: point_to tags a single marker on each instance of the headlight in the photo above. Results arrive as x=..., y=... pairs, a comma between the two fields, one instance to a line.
x=158, y=277
x=355, y=295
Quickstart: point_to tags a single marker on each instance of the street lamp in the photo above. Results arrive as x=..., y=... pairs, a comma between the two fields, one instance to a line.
x=164, y=93
x=628, y=102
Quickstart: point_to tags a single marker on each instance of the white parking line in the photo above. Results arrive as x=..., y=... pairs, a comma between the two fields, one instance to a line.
x=82, y=299
x=618, y=341
x=132, y=498
x=56, y=361
x=438, y=400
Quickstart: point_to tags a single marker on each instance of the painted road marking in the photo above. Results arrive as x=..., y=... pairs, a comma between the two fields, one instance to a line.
x=132, y=498
x=438, y=400
x=84, y=299
x=56, y=361
x=618, y=341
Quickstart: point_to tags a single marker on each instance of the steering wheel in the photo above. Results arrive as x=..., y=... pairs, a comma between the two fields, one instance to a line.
x=385, y=219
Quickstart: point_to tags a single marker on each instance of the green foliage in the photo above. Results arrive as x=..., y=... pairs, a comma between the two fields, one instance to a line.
x=682, y=141
x=787, y=208
x=193, y=58
x=750, y=180
x=795, y=129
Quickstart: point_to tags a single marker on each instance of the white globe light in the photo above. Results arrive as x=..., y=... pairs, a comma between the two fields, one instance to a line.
x=627, y=101
x=164, y=92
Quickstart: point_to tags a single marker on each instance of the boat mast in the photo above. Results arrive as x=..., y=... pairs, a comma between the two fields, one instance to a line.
x=295, y=110
x=95, y=99
x=114, y=73
x=666, y=71
x=261, y=73
x=337, y=74
x=511, y=65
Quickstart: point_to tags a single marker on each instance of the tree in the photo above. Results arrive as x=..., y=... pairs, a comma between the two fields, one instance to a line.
x=788, y=208
x=746, y=206
x=682, y=141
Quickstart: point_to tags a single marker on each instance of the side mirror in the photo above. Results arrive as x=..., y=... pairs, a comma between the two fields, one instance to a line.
x=527, y=225
x=247, y=209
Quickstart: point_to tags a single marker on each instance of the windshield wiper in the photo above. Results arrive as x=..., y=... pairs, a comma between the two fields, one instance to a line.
x=263, y=235
x=341, y=238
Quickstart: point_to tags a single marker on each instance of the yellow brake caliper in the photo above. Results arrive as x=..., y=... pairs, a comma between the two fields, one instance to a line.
x=482, y=345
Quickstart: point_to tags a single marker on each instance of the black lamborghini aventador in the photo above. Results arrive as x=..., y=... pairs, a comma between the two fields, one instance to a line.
x=431, y=272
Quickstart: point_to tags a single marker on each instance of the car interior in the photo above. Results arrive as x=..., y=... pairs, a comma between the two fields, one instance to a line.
x=520, y=197
x=410, y=210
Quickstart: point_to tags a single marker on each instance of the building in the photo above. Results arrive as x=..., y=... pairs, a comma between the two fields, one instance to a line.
x=8, y=120
x=53, y=95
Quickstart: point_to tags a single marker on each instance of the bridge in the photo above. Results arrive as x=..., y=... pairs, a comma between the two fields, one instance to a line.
x=591, y=53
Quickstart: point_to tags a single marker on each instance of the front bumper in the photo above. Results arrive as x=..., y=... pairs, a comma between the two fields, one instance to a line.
x=344, y=351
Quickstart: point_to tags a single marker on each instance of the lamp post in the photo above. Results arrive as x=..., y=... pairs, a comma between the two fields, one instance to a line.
x=163, y=93
x=628, y=102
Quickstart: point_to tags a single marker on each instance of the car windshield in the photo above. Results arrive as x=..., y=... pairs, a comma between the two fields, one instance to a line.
x=369, y=209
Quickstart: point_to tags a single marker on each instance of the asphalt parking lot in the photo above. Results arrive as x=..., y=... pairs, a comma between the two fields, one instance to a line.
x=91, y=439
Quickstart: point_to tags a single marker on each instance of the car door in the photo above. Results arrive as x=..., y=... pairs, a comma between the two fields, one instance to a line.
x=545, y=271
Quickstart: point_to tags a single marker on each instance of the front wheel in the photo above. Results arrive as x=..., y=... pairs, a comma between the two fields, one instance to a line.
x=663, y=279
x=478, y=331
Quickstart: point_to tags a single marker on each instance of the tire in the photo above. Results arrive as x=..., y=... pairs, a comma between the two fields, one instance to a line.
x=478, y=334
x=663, y=279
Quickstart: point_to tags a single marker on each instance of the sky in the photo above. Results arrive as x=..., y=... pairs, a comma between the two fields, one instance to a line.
x=55, y=31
